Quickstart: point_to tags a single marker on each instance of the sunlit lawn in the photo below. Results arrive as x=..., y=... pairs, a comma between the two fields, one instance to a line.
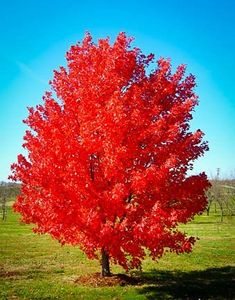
x=37, y=267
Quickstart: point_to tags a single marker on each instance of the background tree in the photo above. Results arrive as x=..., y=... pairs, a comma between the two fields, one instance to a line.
x=108, y=155
x=222, y=195
x=3, y=197
x=8, y=191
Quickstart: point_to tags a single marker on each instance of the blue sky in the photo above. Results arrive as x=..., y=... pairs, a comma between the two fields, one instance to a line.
x=36, y=34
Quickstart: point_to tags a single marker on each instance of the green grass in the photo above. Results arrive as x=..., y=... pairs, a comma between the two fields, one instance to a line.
x=37, y=267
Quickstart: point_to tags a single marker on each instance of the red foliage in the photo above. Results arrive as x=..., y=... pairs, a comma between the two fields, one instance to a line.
x=108, y=155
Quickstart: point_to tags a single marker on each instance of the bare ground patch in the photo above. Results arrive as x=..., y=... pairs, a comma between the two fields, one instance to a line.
x=96, y=280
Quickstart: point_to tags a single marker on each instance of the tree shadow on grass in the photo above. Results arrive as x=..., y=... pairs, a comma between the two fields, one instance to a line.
x=216, y=283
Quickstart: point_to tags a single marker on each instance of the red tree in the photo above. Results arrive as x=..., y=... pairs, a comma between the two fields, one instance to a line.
x=108, y=155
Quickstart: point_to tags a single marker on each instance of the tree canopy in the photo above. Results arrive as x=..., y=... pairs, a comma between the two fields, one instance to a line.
x=109, y=152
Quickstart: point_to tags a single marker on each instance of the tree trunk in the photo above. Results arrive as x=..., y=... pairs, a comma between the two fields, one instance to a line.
x=4, y=209
x=105, y=264
x=222, y=215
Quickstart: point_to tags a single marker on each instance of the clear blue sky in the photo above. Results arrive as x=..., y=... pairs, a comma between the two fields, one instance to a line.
x=36, y=34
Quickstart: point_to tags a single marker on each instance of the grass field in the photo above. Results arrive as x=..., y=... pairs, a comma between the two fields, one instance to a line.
x=37, y=267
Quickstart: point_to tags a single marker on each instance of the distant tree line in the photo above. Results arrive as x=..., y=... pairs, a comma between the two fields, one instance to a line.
x=8, y=191
x=221, y=196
